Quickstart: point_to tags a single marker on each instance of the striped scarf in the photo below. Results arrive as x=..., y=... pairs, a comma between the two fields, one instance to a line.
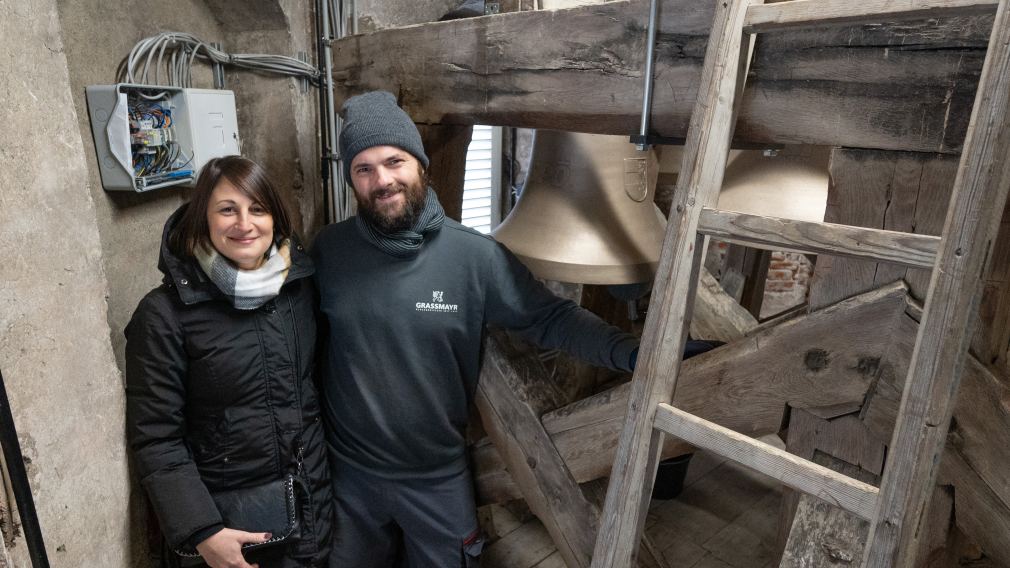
x=248, y=289
x=404, y=244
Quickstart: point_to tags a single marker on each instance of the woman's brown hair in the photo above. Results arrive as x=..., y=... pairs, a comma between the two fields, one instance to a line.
x=248, y=177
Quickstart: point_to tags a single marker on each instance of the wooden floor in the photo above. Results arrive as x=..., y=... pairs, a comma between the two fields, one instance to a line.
x=726, y=517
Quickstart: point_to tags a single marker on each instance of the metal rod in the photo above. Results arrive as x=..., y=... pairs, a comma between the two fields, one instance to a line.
x=19, y=482
x=323, y=122
x=649, y=55
x=341, y=191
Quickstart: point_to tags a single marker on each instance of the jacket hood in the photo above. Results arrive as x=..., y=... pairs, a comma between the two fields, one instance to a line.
x=186, y=276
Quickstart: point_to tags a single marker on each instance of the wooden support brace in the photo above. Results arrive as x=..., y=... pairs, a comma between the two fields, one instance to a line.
x=809, y=13
x=513, y=391
x=828, y=357
x=717, y=316
x=514, y=426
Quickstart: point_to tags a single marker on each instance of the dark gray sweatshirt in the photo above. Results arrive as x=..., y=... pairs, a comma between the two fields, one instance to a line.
x=404, y=342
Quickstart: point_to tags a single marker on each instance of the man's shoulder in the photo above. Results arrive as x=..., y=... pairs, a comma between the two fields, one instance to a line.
x=463, y=236
x=336, y=230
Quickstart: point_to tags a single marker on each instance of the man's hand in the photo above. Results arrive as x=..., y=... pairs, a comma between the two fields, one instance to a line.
x=223, y=549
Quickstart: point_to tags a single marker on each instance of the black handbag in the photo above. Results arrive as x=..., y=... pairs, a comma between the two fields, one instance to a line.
x=271, y=508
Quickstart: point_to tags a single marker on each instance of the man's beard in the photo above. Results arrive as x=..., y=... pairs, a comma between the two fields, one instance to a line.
x=403, y=219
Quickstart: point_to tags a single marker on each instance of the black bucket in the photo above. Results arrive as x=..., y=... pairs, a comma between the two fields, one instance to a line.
x=670, y=477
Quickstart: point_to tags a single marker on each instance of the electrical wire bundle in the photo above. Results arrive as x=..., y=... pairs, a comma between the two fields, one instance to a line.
x=176, y=52
x=159, y=117
x=160, y=161
x=156, y=153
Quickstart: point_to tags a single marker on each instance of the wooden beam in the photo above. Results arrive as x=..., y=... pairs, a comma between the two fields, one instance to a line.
x=821, y=534
x=894, y=191
x=976, y=207
x=773, y=233
x=905, y=86
x=798, y=473
x=846, y=445
x=826, y=357
x=531, y=457
x=810, y=13
x=979, y=509
x=718, y=316
x=975, y=460
x=756, y=263
x=446, y=147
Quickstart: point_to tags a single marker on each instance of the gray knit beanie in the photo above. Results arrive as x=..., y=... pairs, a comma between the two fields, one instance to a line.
x=374, y=119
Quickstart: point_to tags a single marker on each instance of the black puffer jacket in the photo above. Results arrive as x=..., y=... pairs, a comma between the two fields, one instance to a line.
x=220, y=398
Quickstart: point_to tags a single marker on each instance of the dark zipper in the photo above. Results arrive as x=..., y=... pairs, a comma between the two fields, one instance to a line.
x=267, y=379
x=299, y=441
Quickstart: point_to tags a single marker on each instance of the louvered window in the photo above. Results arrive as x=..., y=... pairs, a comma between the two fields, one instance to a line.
x=482, y=179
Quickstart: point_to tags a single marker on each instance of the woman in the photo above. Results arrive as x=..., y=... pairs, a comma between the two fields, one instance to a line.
x=219, y=368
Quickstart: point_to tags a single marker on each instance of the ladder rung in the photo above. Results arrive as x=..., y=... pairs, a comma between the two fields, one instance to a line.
x=811, y=13
x=895, y=247
x=800, y=474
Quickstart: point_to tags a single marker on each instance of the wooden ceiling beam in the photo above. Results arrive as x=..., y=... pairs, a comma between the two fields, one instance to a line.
x=899, y=86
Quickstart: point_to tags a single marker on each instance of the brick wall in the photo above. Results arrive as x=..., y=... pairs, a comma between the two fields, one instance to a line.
x=787, y=284
x=788, y=277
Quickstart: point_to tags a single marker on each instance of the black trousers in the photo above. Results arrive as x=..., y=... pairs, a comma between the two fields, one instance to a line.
x=412, y=523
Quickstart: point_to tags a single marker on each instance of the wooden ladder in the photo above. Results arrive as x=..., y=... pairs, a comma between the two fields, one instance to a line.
x=958, y=259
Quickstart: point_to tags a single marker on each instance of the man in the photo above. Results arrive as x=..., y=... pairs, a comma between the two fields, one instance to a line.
x=406, y=294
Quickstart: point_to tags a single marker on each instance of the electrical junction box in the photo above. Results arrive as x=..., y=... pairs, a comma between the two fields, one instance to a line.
x=149, y=136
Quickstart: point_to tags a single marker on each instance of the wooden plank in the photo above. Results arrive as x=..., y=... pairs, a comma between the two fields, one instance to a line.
x=515, y=428
x=773, y=233
x=756, y=264
x=820, y=534
x=936, y=530
x=811, y=13
x=950, y=314
x=747, y=541
x=524, y=547
x=979, y=511
x=903, y=86
x=829, y=356
x=993, y=336
x=655, y=378
x=979, y=436
x=823, y=535
x=706, y=508
x=895, y=191
x=843, y=444
x=446, y=147
x=718, y=316
x=798, y=473
x=980, y=431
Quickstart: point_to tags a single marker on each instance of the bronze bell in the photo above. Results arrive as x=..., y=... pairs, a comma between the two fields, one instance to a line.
x=587, y=214
x=791, y=182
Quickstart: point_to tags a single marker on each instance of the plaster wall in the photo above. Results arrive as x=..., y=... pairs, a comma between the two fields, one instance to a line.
x=55, y=355
x=76, y=260
x=381, y=14
x=100, y=33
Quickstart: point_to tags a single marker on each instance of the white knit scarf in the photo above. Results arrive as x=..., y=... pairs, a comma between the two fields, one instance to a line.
x=248, y=289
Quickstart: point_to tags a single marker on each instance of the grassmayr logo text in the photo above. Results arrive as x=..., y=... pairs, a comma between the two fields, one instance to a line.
x=437, y=304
